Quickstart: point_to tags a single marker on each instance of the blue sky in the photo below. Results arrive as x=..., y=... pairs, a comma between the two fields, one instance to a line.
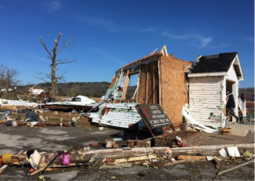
x=111, y=33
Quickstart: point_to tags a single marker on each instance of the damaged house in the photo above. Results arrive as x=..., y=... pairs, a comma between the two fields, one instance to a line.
x=209, y=79
x=155, y=79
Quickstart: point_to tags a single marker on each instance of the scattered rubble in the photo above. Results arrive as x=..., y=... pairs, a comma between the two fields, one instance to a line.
x=172, y=135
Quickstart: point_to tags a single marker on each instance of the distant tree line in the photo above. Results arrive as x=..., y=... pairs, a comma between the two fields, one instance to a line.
x=90, y=89
x=247, y=91
x=95, y=89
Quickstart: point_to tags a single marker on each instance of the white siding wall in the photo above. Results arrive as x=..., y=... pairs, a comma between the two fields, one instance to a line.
x=235, y=89
x=232, y=74
x=205, y=97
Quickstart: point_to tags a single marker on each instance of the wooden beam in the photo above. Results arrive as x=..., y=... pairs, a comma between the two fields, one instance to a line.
x=125, y=87
x=236, y=167
x=115, y=78
x=133, y=72
x=160, y=81
x=149, y=92
x=155, y=83
x=142, y=85
x=210, y=150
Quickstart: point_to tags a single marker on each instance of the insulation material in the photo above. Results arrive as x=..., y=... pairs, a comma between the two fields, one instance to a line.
x=119, y=119
x=122, y=116
x=173, y=85
x=122, y=81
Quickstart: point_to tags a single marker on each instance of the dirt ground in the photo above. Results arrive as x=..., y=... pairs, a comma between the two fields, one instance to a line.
x=14, y=139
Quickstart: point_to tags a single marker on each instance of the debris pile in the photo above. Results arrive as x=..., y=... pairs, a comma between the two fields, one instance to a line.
x=174, y=127
x=155, y=157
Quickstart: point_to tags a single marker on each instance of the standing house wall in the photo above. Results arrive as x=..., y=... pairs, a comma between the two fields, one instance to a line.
x=162, y=81
x=205, y=98
x=173, y=87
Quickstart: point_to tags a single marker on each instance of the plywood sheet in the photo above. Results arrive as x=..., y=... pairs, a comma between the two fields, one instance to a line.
x=174, y=91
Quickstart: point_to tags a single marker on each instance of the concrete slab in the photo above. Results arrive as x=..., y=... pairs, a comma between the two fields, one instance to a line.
x=241, y=130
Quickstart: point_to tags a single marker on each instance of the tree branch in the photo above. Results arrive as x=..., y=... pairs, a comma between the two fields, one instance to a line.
x=66, y=44
x=55, y=50
x=62, y=60
x=65, y=62
x=41, y=79
x=45, y=48
x=61, y=76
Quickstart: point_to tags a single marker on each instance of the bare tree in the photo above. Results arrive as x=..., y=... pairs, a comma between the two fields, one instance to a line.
x=53, y=57
x=7, y=81
x=8, y=77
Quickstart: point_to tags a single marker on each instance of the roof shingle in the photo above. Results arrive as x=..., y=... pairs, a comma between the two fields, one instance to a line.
x=214, y=63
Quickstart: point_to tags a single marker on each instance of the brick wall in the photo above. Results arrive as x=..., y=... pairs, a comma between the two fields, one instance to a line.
x=191, y=138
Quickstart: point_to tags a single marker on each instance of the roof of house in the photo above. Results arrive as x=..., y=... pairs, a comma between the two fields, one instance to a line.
x=141, y=60
x=214, y=63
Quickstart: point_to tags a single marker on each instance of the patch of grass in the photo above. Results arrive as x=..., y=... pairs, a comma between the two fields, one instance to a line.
x=251, y=113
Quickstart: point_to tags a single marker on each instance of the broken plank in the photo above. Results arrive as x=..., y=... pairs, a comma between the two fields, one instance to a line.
x=121, y=160
x=236, y=167
x=142, y=158
x=186, y=157
x=3, y=168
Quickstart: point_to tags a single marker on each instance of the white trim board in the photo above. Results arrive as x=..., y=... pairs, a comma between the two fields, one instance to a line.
x=207, y=74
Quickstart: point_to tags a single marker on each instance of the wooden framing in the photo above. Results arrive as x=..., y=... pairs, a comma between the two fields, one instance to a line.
x=115, y=78
x=142, y=84
x=133, y=72
x=162, y=80
x=149, y=89
x=155, y=83
x=126, y=85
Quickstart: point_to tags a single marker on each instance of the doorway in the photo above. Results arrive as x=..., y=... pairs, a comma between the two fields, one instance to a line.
x=231, y=87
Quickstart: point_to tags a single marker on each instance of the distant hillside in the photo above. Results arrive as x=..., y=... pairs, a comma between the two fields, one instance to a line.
x=97, y=89
x=94, y=89
x=248, y=92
